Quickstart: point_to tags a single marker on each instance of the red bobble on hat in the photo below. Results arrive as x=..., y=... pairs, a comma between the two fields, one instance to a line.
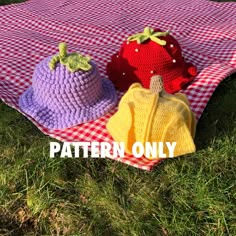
x=192, y=70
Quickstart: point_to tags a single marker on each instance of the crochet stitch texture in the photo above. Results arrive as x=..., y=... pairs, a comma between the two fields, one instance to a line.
x=144, y=116
x=60, y=99
x=150, y=53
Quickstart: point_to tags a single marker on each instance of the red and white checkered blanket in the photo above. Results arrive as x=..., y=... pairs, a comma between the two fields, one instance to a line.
x=32, y=30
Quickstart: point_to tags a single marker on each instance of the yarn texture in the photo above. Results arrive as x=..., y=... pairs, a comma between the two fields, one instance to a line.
x=73, y=61
x=60, y=99
x=144, y=116
x=152, y=52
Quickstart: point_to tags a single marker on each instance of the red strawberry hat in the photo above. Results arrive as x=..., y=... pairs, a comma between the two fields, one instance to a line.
x=146, y=54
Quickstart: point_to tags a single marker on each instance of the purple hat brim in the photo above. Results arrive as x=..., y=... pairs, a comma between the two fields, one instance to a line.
x=61, y=120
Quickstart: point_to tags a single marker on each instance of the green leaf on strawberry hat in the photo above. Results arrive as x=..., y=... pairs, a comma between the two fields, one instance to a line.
x=142, y=38
x=149, y=33
x=73, y=61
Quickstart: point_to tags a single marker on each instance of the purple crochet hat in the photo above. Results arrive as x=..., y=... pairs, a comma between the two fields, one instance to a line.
x=67, y=90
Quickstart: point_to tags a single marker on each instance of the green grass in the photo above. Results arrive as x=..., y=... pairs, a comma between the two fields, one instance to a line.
x=7, y=2
x=191, y=195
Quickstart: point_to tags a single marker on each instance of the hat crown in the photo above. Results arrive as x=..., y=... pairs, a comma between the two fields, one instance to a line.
x=62, y=90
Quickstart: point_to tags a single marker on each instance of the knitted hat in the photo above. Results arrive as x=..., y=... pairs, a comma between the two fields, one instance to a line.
x=149, y=116
x=67, y=90
x=150, y=53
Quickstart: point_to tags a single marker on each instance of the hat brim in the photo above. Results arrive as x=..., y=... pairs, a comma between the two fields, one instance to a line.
x=61, y=120
x=177, y=84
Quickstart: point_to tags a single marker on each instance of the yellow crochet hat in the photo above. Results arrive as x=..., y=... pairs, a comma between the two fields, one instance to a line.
x=152, y=115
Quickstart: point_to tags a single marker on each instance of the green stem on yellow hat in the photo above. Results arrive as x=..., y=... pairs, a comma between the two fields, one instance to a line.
x=73, y=61
x=149, y=33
